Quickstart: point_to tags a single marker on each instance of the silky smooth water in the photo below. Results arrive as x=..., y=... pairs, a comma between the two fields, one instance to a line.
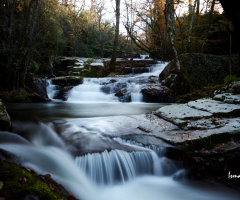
x=144, y=173
x=139, y=172
x=105, y=89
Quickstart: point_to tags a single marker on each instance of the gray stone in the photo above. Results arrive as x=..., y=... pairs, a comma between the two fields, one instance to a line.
x=204, y=124
x=232, y=99
x=214, y=107
x=221, y=97
x=180, y=113
x=157, y=93
x=236, y=86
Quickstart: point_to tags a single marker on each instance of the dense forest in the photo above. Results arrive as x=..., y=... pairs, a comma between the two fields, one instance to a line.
x=34, y=33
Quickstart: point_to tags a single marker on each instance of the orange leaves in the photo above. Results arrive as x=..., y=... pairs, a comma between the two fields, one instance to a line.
x=19, y=8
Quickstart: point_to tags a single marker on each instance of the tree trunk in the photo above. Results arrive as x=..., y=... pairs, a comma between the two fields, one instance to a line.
x=115, y=45
x=170, y=22
x=208, y=24
x=191, y=27
x=190, y=7
x=9, y=79
x=27, y=55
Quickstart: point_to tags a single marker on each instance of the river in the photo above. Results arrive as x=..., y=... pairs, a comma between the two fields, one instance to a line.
x=71, y=141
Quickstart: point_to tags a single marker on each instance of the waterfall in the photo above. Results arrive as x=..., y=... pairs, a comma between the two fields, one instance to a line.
x=51, y=89
x=155, y=69
x=135, y=170
x=114, y=89
x=117, y=165
x=58, y=163
x=136, y=95
x=90, y=91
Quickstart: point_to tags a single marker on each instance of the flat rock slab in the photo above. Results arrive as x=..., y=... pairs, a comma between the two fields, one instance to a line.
x=204, y=124
x=214, y=107
x=232, y=126
x=179, y=113
x=227, y=98
x=232, y=99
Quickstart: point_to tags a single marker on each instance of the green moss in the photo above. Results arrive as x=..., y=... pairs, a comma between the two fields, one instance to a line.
x=21, y=98
x=231, y=78
x=67, y=81
x=19, y=182
x=200, y=70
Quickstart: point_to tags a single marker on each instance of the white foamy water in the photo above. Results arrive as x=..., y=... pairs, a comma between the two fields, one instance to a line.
x=127, y=88
x=138, y=174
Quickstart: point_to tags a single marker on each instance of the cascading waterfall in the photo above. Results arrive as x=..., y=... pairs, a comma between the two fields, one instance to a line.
x=118, y=165
x=54, y=160
x=90, y=91
x=144, y=174
x=51, y=89
x=107, y=89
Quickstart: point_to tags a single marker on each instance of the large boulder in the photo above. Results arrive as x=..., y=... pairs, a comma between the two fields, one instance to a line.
x=157, y=93
x=21, y=96
x=18, y=182
x=5, y=121
x=40, y=87
x=198, y=70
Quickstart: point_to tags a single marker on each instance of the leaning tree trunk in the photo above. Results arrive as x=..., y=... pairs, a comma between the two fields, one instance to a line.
x=115, y=45
x=170, y=22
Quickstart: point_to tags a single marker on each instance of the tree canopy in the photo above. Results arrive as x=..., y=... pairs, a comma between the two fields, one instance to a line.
x=35, y=32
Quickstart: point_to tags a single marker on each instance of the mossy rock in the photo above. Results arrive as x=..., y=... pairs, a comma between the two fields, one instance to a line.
x=5, y=121
x=22, y=98
x=67, y=81
x=205, y=92
x=199, y=70
x=18, y=182
x=64, y=62
x=94, y=71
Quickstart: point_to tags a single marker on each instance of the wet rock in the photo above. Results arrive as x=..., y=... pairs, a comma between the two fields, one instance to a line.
x=120, y=93
x=204, y=124
x=157, y=93
x=232, y=88
x=106, y=89
x=215, y=107
x=67, y=81
x=221, y=97
x=153, y=79
x=236, y=86
x=232, y=99
x=178, y=114
x=63, y=93
x=40, y=87
x=138, y=70
x=146, y=140
x=5, y=121
x=171, y=81
x=20, y=183
x=84, y=142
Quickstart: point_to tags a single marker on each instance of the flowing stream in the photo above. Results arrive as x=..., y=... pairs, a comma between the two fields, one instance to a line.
x=105, y=89
x=118, y=169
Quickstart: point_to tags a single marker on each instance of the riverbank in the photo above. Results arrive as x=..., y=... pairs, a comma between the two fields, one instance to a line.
x=94, y=124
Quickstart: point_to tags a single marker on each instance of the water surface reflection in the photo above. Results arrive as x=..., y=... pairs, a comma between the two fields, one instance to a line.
x=29, y=111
